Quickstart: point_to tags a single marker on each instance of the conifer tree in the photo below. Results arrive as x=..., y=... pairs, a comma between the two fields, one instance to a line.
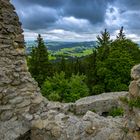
x=104, y=39
x=103, y=44
x=39, y=65
x=63, y=64
x=121, y=34
x=91, y=70
x=77, y=66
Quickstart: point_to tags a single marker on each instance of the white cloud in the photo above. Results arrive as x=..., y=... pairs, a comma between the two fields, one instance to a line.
x=73, y=24
x=60, y=35
x=114, y=18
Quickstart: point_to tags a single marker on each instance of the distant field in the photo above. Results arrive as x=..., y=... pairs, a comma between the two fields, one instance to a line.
x=66, y=49
x=70, y=52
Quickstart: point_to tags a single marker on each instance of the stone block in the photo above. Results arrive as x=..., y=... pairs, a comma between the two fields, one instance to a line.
x=135, y=72
x=6, y=115
x=134, y=90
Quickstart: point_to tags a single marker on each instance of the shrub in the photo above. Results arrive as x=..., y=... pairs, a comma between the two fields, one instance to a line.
x=97, y=89
x=54, y=96
x=58, y=88
x=132, y=102
x=116, y=112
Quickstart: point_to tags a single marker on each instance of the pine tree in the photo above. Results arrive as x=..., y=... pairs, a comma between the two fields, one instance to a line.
x=39, y=65
x=77, y=66
x=63, y=64
x=103, y=44
x=121, y=35
x=91, y=69
x=104, y=39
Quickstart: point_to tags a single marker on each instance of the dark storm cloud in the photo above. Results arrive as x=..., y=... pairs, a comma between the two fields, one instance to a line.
x=133, y=20
x=38, y=18
x=48, y=3
x=92, y=10
x=130, y=11
x=79, y=16
x=34, y=18
x=129, y=4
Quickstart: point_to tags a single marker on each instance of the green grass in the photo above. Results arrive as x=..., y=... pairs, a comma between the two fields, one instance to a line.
x=131, y=102
x=93, y=110
x=88, y=51
x=70, y=52
x=68, y=49
x=116, y=112
x=52, y=57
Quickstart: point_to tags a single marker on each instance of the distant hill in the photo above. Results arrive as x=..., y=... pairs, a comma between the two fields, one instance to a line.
x=56, y=46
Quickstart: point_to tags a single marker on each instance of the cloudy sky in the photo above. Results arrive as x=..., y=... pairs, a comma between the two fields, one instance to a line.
x=78, y=20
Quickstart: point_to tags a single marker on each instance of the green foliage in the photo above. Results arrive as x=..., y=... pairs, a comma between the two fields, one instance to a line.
x=106, y=68
x=78, y=88
x=128, y=46
x=116, y=112
x=38, y=63
x=121, y=34
x=114, y=62
x=125, y=129
x=98, y=89
x=104, y=39
x=58, y=88
x=54, y=96
x=124, y=99
x=74, y=52
x=135, y=102
x=93, y=110
x=103, y=45
x=115, y=70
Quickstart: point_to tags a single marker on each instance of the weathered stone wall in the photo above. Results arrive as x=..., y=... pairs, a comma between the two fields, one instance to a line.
x=25, y=114
x=100, y=104
x=133, y=112
x=19, y=93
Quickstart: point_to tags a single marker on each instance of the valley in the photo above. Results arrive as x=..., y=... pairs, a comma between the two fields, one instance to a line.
x=68, y=50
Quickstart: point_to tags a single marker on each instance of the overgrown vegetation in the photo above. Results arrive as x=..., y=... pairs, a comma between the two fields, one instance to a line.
x=58, y=88
x=116, y=112
x=107, y=69
x=38, y=62
x=131, y=102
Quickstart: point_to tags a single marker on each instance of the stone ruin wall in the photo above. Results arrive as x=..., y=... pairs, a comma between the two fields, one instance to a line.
x=20, y=98
x=133, y=113
x=19, y=92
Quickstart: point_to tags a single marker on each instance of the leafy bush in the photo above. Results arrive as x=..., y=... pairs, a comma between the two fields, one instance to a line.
x=38, y=63
x=116, y=112
x=131, y=102
x=97, y=89
x=54, y=96
x=134, y=102
x=114, y=72
x=58, y=88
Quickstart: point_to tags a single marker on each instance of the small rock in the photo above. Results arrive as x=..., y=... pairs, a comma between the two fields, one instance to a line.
x=135, y=72
x=56, y=132
x=37, y=99
x=16, y=100
x=134, y=89
x=36, y=117
x=39, y=124
x=6, y=115
x=90, y=129
x=29, y=117
x=26, y=102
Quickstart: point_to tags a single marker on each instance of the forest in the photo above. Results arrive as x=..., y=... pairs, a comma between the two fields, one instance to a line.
x=69, y=50
x=106, y=69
